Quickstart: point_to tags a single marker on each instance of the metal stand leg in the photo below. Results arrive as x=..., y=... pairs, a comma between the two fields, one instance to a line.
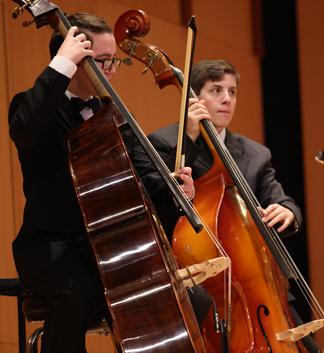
x=32, y=343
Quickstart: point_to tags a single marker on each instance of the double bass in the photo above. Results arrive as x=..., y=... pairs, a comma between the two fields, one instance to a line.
x=260, y=319
x=146, y=298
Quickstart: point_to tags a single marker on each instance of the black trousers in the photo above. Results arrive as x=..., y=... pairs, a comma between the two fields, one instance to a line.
x=74, y=294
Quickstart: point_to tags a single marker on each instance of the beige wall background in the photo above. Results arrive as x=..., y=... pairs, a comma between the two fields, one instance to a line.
x=224, y=31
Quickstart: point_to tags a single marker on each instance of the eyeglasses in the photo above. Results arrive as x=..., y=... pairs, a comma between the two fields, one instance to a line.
x=107, y=64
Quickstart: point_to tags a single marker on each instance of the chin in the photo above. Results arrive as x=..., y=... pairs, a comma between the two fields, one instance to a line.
x=223, y=122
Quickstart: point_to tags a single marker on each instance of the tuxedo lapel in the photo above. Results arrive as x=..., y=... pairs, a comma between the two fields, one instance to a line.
x=236, y=149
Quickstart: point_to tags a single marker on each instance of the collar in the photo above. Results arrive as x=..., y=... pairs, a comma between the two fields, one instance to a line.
x=86, y=112
x=222, y=134
x=69, y=94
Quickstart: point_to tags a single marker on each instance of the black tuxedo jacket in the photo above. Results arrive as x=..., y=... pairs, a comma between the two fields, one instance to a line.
x=39, y=122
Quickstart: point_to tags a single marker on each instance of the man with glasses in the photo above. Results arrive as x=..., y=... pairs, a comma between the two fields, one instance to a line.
x=50, y=251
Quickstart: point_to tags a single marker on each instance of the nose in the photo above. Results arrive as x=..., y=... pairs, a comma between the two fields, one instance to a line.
x=226, y=97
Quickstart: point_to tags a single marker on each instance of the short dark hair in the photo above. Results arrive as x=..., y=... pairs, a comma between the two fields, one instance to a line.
x=210, y=70
x=86, y=22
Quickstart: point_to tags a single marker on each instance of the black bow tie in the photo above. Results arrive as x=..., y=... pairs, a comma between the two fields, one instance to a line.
x=94, y=103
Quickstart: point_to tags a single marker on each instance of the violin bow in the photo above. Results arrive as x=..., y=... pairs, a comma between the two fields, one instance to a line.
x=181, y=145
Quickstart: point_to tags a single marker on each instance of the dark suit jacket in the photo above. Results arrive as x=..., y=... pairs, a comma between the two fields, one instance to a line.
x=252, y=158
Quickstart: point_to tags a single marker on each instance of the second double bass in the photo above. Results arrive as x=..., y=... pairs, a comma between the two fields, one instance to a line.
x=261, y=319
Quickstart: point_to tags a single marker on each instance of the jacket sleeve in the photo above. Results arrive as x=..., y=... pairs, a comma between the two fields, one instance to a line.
x=157, y=189
x=31, y=112
x=270, y=190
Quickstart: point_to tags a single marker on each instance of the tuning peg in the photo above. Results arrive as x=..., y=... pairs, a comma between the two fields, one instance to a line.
x=128, y=61
x=28, y=23
x=320, y=157
x=17, y=12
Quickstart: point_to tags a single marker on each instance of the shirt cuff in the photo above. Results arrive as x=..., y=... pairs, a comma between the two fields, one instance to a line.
x=296, y=226
x=63, y=65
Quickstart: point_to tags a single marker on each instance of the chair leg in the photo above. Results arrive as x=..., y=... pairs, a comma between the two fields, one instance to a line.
x=32, y=343
x=21, y=324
